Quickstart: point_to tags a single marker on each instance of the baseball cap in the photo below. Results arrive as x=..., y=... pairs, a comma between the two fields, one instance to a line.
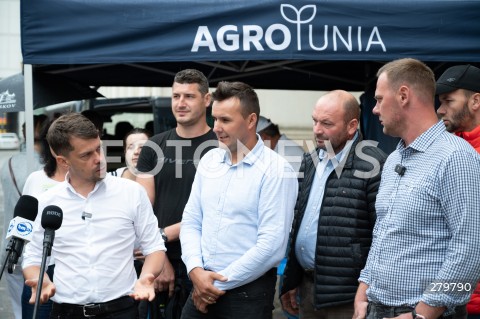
x=263, y=123
x=465, y=77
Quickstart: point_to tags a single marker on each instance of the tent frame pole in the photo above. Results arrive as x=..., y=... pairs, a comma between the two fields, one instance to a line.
x=29, y=129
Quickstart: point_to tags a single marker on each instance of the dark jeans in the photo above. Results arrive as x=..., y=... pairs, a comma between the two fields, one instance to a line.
x=171, y=307
x=376, y=311
x=43, y=310
x=250, y=301
x=143, y=305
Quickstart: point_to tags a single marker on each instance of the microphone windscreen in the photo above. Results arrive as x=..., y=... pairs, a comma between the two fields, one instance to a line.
x=26, y=207
x=52, y=217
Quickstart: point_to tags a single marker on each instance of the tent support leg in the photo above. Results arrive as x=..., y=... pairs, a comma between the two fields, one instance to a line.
x=29, y=134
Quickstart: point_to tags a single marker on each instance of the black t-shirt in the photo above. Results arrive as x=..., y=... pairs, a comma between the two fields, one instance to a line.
x=176, y=167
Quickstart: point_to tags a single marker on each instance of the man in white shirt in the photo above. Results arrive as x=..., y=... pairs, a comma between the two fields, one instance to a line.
x=235, y=225
x=102, y=220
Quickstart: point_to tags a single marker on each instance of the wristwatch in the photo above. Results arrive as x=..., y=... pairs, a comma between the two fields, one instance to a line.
x=165, y=238
x=415, y=315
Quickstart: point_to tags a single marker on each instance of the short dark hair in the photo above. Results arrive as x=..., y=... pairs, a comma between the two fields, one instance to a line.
x=191, y=76
x=243, y=92
x=68, y=126
x=412, y=72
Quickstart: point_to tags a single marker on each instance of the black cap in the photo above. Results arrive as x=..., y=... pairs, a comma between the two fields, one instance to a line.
x=52, y=217
x=465, y=77
x=26, y=207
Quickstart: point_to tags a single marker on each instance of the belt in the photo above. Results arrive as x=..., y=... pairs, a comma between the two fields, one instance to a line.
x=460, y=310
x=94, y=309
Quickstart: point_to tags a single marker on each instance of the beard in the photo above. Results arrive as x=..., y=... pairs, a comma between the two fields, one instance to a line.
x=459, y=120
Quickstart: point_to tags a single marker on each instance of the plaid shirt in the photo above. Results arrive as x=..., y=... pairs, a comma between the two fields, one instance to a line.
x=426, y=241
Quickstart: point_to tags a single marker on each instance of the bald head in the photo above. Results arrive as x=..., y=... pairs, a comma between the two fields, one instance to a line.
x=335, y=119
x=344, y=101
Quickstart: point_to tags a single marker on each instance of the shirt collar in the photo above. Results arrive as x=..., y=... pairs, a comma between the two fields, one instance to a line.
x=422, y=142
x=322, y=154
x=249, y=158
x=70, y=187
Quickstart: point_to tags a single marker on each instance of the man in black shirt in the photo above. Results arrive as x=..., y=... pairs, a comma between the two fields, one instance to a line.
x=168, y=162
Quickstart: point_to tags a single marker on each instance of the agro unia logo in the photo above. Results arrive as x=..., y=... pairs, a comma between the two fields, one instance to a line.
x=320, y=37
x=7, y=100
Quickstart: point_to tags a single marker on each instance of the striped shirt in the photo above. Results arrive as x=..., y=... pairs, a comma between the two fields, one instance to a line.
x=427, y=237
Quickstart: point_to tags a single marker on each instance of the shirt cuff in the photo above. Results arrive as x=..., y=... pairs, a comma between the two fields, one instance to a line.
x=193, y=263
x=364, y=277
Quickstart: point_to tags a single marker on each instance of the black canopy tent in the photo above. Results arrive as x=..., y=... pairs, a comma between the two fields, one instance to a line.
x=270, y=44
x=319, y=44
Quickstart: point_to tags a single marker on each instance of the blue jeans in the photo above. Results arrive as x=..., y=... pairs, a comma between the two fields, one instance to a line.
x=43, y=310
x=250, y=301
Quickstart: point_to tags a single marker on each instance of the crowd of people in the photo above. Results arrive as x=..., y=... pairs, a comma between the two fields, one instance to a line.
x=197, y=222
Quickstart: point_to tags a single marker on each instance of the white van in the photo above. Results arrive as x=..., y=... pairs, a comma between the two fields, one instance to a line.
x=9, y=141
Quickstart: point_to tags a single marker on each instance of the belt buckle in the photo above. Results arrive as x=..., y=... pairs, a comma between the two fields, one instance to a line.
x=86, y=308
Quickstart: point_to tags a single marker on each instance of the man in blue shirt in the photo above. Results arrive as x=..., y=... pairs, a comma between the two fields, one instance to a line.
x=235, y=225
x=333, y=226
x=425, y=258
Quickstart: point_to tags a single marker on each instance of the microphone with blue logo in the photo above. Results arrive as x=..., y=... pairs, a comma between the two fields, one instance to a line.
x=20, y=230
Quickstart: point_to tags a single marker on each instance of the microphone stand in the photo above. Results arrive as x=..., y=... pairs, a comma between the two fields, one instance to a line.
x=9, y=249
x=47, y=248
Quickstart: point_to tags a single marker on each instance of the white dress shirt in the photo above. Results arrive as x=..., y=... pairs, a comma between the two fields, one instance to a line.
x=238, y=217
x=94, y=255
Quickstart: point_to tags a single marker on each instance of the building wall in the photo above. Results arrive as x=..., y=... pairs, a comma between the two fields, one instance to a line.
x=10, y=53
x=10, y=56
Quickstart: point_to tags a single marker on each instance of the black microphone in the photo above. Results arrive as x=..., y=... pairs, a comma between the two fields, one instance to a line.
x=20, y=229
x=400, y=169
x=52, y=217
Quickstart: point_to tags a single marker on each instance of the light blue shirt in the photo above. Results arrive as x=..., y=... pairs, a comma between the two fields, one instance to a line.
x=306, y=242
x=428, y=221
x=238, y=217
